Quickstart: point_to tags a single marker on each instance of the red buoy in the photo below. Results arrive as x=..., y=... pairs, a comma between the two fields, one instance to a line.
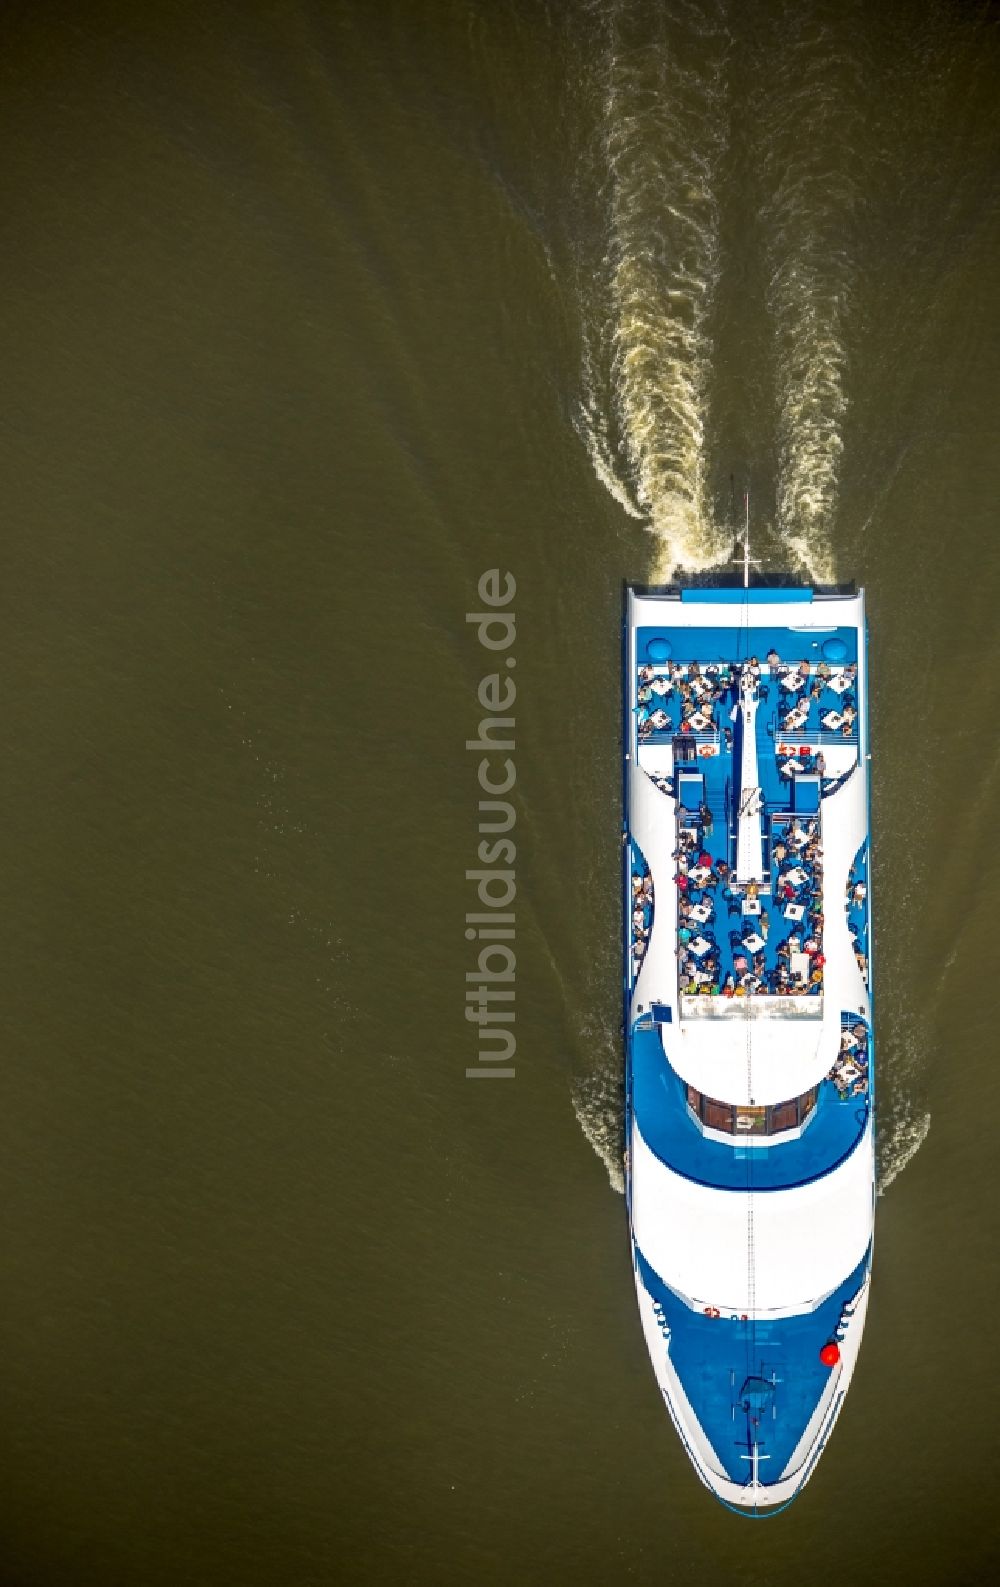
x=829, y=1355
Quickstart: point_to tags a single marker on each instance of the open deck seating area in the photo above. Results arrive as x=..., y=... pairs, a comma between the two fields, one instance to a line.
x=850, y=1073
x=857, y=910
x=683, y=698
x=813, y=700
x=736, y=941
x=642, y=909
x=765, y=938
x=801, y=700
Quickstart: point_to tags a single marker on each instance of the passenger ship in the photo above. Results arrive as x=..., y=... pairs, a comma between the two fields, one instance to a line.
x=748, y=1018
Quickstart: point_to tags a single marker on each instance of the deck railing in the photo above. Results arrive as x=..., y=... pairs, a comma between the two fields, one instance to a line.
x=758, y=1006
x=820, y=737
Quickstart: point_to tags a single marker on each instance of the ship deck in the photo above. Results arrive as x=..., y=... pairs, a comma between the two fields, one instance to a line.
x=767, y=938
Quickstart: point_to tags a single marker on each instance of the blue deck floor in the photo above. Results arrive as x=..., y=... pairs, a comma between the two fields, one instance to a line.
x=726, y=1367
x=659, y=1105
x=729, y=961
x=738, y=643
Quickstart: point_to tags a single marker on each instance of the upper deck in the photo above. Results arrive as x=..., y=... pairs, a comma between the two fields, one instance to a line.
x=747, y=821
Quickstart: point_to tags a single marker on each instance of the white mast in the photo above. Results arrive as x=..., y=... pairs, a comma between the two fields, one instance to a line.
x=749, y=837
x=747, y=560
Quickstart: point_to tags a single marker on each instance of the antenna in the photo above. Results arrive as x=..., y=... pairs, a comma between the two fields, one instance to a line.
x=747, y=560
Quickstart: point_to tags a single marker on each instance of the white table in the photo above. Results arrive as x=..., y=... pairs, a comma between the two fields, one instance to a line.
x=840, y=683
x=794, y=911
x=833, y=720
x=751, y=906
x=700, y=912
x=798, y=963
x=753, y=943
x=699, y=874
x=699, y=946
x=796, y=876
x=793, y=681
x=699, y=722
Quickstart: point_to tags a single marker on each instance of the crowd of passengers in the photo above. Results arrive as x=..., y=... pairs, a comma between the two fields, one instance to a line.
x=801, y=683
x=850, y=1072
x=857, y=892
x=642, y=915
x=694, y=691
x=797, y=969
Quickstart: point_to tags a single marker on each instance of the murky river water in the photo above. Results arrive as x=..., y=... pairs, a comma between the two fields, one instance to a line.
x=310, y=313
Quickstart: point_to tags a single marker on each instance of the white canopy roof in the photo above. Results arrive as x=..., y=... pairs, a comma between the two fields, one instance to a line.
x=805, y=1241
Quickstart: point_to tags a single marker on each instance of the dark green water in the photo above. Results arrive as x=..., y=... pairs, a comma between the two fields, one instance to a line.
x=310, y=313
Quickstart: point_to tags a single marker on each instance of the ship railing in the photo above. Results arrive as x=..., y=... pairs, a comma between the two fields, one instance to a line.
x=670, y=735
x=758, y=1006
x=815, y=739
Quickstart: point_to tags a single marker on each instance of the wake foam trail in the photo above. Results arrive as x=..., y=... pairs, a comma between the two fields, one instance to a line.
x=598, y=1094
x=592, y=427
x=897, y=1149
x=903, y=1122
x=814, y=103
x=647, y=348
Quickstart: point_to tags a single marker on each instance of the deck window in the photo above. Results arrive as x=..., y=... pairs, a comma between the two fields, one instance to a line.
x=757, y=1120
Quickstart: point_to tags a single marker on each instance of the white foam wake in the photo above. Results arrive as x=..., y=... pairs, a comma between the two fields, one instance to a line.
x=648, y=351
x=900, y=1145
